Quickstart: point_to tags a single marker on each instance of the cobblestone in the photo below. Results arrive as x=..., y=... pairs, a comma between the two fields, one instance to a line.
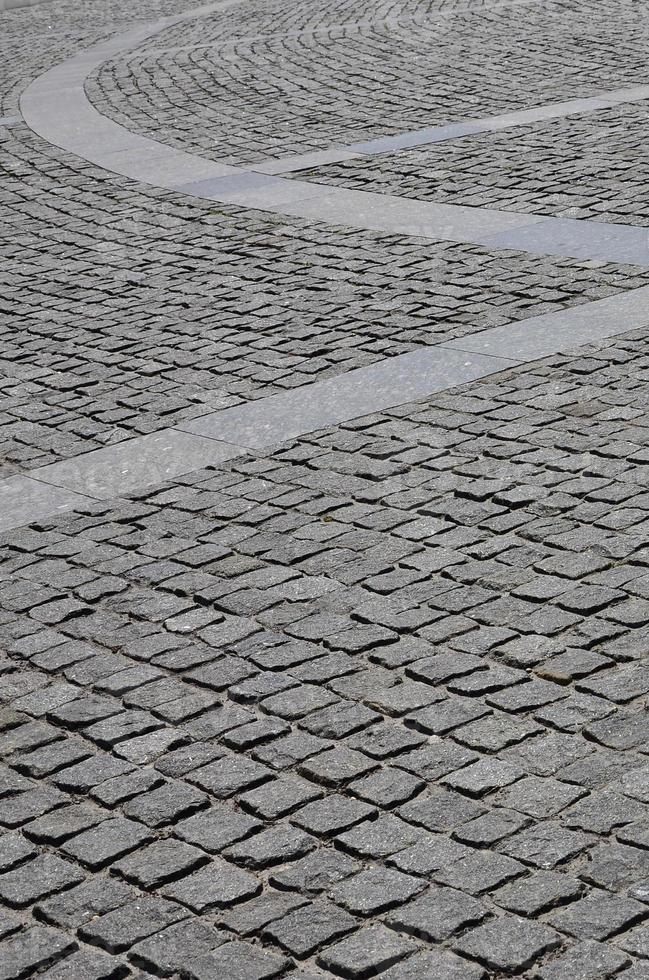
x=370, y=702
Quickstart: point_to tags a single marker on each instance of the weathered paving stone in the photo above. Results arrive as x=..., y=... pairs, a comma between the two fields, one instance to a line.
x=305, y=929
x=374, y=891
x=38, y=878
x=435, y=962
x=331, y=815
x=58, y=825
x=316, y=872
x=479, y=871
x=545, y=845
x=430, y=853
x=539, y=798
x=379, y=838
x=230, y=775
x=440, y=809
x=106, y=843
x=588, y=960
x=165, y=804
x=371, y=949
x=598, y=915
x=35, y=947
x=217, y=885
x=248, y=918
x=118, y=930
x=437, y=914
x=276, y=845
x=538, y=893
x=14, y=850
x=159, y=863
x=94, y=897
x=169, y=951
x=508, y=943
x=240, y=961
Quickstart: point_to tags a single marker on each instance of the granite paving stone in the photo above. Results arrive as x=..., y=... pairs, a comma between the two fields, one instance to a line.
x=324, y=600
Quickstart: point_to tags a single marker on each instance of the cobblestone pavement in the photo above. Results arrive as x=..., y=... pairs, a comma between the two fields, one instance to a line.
x=370, y=702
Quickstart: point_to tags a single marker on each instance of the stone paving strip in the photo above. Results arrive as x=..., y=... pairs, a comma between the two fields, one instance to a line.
x=214, y=438
x=56, y=107
x=452, y=131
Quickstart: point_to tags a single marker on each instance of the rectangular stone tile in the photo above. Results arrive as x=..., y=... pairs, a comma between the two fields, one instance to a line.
x=9, y=120
x=136, y=463
x=391, y=382
x=553, y=110
x=578, y=239
x=635, y=94
x=542, y=335
x=401, y=215
x=254, y=190
x=419, y=137
x=24, y=500
x=153, y=163
x=64, y=118
x=303, y=161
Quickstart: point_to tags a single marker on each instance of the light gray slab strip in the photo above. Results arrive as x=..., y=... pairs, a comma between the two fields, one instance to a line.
x=304, y=161
x=553, y=110
x=405, y=216
x=140, y=462
x=452, y=131
x=386, y=384
x=550, y=333
x=14, y=4
x=254, y=190
x=9, y=120
x=24, y=500
x=419, y=137
x=579, y=239
x=56, y=107
x=636, y=94
x=219, y=436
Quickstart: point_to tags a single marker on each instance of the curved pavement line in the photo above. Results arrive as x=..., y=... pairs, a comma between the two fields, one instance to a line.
x=56, y=107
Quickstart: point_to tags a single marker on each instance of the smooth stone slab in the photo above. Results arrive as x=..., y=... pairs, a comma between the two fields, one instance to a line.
x=24, y=500
x=405, y=216
x=254, y=190
x=395, y=381
x=635, y=94
x=164, y=166
x=553, y=110
x=539, y=336
x=303, y=161
x=137, y=463
x=419, y=137
x=9, y=120
x=584, y=239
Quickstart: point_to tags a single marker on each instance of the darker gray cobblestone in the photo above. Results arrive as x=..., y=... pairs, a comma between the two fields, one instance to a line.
x=290, y=787
x=373, y=703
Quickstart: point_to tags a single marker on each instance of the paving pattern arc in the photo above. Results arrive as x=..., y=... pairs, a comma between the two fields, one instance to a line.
x=324, y=595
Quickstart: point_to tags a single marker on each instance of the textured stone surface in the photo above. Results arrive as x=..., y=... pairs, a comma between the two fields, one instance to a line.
x=370, y=702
